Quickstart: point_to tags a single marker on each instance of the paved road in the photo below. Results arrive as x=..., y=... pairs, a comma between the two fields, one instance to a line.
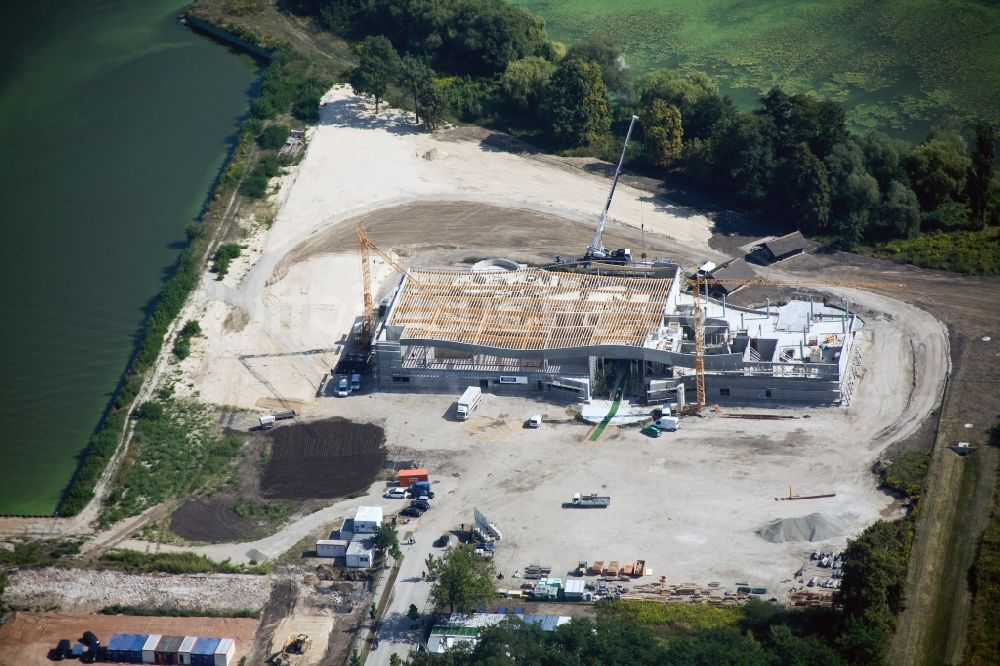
x=395, y=635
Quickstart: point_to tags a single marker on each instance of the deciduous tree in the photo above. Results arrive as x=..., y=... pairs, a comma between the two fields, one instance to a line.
x=464, y=580
x=663, y=135
x=576, y=105
x=378, y=66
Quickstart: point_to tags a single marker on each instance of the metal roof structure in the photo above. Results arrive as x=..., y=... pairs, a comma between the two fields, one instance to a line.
x=529, y=309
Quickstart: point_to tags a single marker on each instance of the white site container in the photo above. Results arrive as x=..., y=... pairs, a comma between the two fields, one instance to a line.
x=149, y=648
x=225, y=652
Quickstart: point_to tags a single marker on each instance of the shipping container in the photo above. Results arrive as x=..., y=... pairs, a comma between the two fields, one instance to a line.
x=225, y=652
x=184, y=652
x=135, y=648
x=149, y=649
x=203, y=653
x=408, y=477
x=166, y=650
x=115, y=647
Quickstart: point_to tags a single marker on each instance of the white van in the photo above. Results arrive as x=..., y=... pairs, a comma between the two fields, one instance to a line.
x=343, y=387
x=668, y=423
x=355, y=382
x=535, y=421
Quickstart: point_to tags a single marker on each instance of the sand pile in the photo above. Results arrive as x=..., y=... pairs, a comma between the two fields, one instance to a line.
x=814, y=527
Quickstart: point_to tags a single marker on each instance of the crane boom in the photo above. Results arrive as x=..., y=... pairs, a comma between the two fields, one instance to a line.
x=596, y=249
x=367, y=246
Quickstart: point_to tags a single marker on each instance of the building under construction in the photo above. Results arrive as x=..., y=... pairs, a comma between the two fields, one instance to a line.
x=510, y=329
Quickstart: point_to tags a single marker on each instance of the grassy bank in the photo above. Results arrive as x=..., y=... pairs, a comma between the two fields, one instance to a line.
x=973, y=252
x=175, y=453
x=132, y=561
x=983, y=640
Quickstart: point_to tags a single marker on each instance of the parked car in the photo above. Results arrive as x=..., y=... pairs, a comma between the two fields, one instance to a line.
x=421, y=504
x=651, y=431
x=412, y=511
x=343, y=387
x=535, y=421
x=395, y=493
x=442, y=541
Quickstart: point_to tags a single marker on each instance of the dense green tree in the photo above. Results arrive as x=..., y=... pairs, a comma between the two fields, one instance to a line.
x=861, y=643
x=899, y=212
x=662, y=133
x=386, y=538
x=792, y=650
x=882, y=158
x=742, y=159
x=273, y=136
x=434, y=106
x=681, y=91
x=801, y=118
x=874, y=566
x=702, y=117
x=465, y=579
x=854, y=193
x=723, y=646
x=602, y=49
x=575, y=105
x=800, y=197
x=981, y=174
x=415, y=77
x=378, y=66
x=524, y=83
x=937, y=169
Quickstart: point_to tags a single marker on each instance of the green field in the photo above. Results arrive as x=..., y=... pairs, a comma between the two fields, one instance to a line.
x=898, y=65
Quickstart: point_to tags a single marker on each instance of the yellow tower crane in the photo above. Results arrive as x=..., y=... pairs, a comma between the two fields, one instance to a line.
x=698, y=282
x=367, y=247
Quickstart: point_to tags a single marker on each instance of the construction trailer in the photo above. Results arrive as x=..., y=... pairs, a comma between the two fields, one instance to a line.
x=360, y=554
x=367, y=519
x=407, y=477
x=332, y=548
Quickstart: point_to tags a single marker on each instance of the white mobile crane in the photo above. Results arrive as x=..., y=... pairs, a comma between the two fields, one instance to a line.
x=596, y=250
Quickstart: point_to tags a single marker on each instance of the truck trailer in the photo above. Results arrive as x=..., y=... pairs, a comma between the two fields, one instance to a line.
x=591, y=501
x=468, y=402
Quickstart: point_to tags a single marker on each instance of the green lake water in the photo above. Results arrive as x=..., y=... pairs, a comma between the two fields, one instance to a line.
x=899, y=66
x=114, y=123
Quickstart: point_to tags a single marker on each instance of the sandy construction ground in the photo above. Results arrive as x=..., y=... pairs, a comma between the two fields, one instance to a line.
x=27, y=638
x=272, y=326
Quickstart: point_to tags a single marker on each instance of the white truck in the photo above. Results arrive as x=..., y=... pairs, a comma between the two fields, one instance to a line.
x=591, y=501
x=468, y=402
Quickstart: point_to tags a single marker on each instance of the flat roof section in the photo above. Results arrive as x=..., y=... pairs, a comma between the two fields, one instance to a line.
x=529, y=309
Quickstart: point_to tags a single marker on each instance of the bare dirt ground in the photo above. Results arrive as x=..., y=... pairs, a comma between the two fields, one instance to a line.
x=212, y=520
x=323, y=459
x=27, y=638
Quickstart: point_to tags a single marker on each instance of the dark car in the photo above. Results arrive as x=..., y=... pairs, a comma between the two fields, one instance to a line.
x=423, y=505
x=412, y=511
x=442, y=541
x=63, y=650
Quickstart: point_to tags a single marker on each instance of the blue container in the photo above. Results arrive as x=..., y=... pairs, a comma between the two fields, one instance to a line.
x=135, y=648
x=115, y=647
x=203, y=653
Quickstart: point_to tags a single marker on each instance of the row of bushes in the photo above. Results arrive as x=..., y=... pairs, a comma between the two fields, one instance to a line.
x=983, y=645
x=132, y=561
x=161, y=611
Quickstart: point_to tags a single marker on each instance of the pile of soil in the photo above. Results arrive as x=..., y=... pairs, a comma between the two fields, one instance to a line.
x=814, y=527
x=323, y=460
x=212, y=520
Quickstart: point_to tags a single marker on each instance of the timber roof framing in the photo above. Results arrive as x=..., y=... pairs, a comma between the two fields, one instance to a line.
x=530, y=309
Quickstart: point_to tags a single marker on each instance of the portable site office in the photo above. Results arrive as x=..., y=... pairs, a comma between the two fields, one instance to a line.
x=165, y=651
x=225, y=652
x=126, y=648
x=184, y=651
x=149, y=649
x=203, y=653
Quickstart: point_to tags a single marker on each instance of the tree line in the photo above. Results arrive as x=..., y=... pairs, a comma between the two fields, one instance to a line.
x=791, y=160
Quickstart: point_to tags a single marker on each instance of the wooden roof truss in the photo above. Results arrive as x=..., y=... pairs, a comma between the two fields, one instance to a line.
x=530, y=309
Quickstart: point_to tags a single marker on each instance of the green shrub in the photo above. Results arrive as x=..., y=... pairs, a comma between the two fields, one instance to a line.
x=273, y=136
x=132, y=561
x=160, y=611
x=907, y=473
x=152, y=411
x=223, y=256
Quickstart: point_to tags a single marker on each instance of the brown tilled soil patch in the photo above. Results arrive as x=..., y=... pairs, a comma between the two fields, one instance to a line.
x=27, y=638
x=213, y=520
x=323, y=460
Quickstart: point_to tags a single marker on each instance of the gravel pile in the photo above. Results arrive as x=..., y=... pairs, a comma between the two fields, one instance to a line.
x=814, y=527
x=81, y=590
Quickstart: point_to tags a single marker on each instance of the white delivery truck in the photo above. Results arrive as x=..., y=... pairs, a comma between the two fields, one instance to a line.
x=468, y=402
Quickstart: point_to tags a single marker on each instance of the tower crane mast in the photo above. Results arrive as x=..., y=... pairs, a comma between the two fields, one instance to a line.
x=367, y=247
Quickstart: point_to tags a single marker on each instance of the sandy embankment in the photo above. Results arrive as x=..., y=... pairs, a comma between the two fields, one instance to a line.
x=358, y=162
